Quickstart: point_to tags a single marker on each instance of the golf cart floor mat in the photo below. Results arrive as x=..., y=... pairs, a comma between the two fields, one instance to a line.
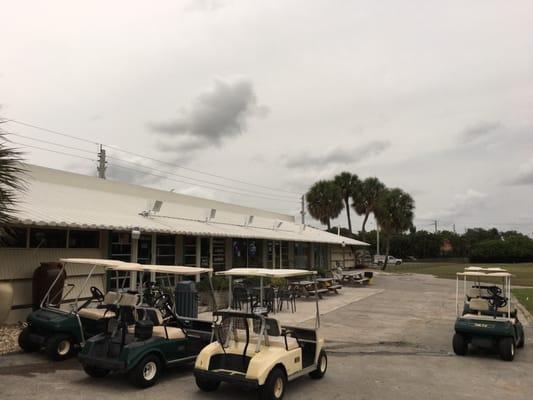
x=232, y=362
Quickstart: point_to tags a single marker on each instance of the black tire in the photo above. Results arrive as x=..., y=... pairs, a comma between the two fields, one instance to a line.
x=274, y=387
x=25, y=343
x=506, y=346
x=460, y=344
x=321, y=366
x=143, y=375
x=521, y=339
x=398, y=262
x=95, y=372
x=206, y=384
x=59, y=347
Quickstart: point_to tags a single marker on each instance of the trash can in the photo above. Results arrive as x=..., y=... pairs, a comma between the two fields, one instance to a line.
x=43, y=277
x=187, y=299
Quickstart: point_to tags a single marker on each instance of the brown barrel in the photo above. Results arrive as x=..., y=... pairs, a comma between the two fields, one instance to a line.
x=43, y=277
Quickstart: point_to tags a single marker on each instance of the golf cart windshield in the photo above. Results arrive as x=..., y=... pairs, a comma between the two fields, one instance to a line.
x=486, y=291
x=88, y=265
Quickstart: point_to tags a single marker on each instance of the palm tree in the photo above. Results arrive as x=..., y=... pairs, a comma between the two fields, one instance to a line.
x=365, y=199
x=349, y=185
x=324, y=201
x=11, y=181
x=394, y=212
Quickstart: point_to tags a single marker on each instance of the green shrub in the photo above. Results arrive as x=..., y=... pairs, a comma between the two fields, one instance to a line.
x=511, y=250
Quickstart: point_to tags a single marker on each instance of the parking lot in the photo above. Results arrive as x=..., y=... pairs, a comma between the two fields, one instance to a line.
x=392, y=344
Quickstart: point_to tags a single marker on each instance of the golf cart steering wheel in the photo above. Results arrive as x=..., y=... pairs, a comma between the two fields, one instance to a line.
x=97, y=294
x=164, y=304
x=496, y=300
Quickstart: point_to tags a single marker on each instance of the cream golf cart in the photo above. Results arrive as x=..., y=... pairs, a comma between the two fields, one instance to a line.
x=487, y=318
x=255, y=350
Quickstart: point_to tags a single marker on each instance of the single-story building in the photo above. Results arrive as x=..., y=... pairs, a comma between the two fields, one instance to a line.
x=63, y=214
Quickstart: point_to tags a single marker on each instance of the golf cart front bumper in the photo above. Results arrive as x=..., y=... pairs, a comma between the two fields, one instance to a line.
x=102, y=362
x=226, y=376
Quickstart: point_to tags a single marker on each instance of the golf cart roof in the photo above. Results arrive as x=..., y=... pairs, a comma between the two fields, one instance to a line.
x=162, y=269
x=485, y=272
x=102, y=262
x=265, y=272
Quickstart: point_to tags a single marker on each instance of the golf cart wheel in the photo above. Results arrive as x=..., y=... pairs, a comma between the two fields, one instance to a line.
x=322, y=366
x=460, y=344
x=146, y=373
x=25, y=343
x=398, y=262
x=59, y=347
x=507, y=348
x=521, y=339
x=95, y=372
x=274, y=387
x=206, y=384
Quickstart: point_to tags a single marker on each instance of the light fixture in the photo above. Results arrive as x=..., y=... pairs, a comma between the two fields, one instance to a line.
x=250, y=220
x=278, y=224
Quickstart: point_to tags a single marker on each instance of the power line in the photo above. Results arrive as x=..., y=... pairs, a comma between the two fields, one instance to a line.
x=151, y=158
x=204, y=186
x=52, y=143
x=198, y=180
x=53, y=151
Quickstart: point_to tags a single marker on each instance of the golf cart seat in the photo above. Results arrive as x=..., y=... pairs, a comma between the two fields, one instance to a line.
x=99, y=313
x=96, y=313
x=477, y=304
x=159, y=330
x=276, y=336
x=169, y=332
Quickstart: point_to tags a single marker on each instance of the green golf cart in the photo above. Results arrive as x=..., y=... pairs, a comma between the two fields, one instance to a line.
x=487, y=319
x=141, y=340
x=255, y=350
x=63, y=326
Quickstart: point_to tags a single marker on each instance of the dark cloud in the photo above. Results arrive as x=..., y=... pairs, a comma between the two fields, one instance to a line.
x=480, y=131
x=220, y=112
x=339, y=156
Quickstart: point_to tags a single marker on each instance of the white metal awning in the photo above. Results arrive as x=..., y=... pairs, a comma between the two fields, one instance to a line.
x=63, y=199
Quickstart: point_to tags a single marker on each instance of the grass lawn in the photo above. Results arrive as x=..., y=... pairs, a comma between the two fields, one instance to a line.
x=523, y=272
x=525, y=296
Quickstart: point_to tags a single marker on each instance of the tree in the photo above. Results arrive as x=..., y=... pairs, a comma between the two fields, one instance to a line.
x=365, y=199
x=349, y=185
x=11, y=180
x=394, y=212
x=324, y=201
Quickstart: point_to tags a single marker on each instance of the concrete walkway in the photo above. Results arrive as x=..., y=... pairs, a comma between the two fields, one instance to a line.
x=305, y=307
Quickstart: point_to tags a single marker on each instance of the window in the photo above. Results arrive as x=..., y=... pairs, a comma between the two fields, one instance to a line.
x=144, y=254
x=120, y=246
x=255, y=253
x=247, y=252
x=239, y=252
x=219, y=254
x=204, y=252
x=277, y=254
x=301, y=255
x=14, y=237
x=83, y=239
x=166, y=250
x=48, y=238
x=189, y=251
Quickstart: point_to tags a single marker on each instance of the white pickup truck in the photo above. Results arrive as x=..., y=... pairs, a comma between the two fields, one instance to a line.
x=380, y=260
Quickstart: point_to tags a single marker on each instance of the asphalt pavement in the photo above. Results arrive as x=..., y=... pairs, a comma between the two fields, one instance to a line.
x=393, y=344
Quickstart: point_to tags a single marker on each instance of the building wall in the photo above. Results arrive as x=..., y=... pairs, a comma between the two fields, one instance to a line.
x=345, y=256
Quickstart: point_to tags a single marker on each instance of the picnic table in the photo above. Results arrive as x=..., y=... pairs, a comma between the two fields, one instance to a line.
x=330, y=284
x=354, y=277
x=307, y=289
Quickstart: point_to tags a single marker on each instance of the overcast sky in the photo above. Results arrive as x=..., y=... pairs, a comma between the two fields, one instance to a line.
x=435, y=97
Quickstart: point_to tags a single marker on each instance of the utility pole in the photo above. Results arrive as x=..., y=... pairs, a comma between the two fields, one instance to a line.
x=436, y=226
x=303, y=209
x=377, y=237
x=454, y=228
x=102, y=163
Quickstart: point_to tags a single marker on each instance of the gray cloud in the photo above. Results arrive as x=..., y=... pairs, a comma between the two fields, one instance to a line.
x=339, y=155
x=480, y=131
x=525, y=174
x=220, y=112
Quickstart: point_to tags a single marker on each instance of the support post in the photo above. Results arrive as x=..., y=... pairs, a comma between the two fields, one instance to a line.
x=102, y=163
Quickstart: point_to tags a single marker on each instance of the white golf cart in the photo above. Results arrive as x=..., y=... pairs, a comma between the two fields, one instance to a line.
x=255, y=350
